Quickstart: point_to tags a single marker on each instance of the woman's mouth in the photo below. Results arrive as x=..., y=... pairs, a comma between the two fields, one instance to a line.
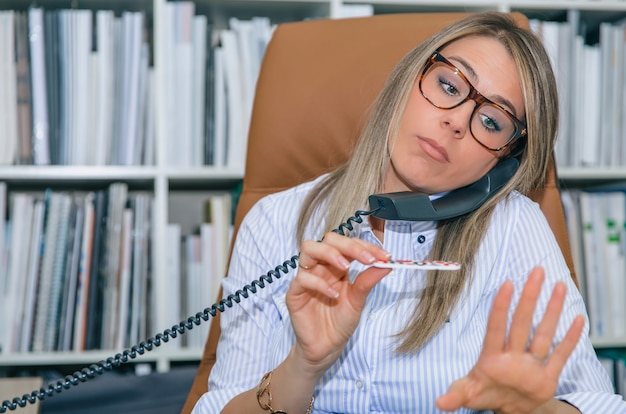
x=434, y=150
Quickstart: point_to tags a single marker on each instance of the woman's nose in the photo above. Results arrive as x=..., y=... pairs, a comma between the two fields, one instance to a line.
x=457, y=120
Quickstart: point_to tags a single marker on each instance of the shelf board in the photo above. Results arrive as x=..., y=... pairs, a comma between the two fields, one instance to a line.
x=203, y=173
x=492, y=4
x=603, y=343
x=86, y=177
x=65, y=172
x=76, y=178
x=591, y=177
x=592, y=173
x=592, y=5
x=87, y=358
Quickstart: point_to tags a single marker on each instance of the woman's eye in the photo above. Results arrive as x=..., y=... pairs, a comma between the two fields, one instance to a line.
x=490, y=124
x=448, y=88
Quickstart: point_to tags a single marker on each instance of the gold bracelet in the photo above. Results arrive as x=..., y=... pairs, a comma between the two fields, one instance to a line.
x=264, y=396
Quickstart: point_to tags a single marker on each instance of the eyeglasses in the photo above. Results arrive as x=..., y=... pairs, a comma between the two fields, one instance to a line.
x=446, y=87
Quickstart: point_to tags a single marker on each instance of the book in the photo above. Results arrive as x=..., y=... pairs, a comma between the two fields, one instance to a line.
x=355, y=10
x=21, y=229
x=193, y=287
x=248, y=67
x=125, y=280
x=221, y=219
x=52, y=272
x=148, y=155
x=117, y=198
x=4, y=244
x=237, y=124
x=618, y=146
x=142, y=205
x=52, y=203
x=40, y=145
x=142, y=155
x=209, y=138
x=172, y=313
x=24, y=98
x=219, y=134
x=593, y=152
x=8, y=89
x=34, y=266
x=80, y=47
x=103, y=87
x=130, y=82
x=179, y=88
x=93, y=335
x=59, y=248
x=605, y=89
x=52, y=59
x=63, y=146
x=199, y=90
x=70, y=290
x=592, y=235
x=571, y=206
x=83, y=279
x=614, y=204
x=3, y=235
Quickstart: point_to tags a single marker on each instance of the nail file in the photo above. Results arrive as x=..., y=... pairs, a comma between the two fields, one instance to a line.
x=418, y=264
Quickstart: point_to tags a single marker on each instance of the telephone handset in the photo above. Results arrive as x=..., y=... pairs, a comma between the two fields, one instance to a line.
x=412, y=206
x=394, y=206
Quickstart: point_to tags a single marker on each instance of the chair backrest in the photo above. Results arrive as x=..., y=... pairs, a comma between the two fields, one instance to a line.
x=317, y=82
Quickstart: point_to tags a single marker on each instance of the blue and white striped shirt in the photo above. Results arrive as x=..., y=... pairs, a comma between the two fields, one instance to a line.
x=370, y=377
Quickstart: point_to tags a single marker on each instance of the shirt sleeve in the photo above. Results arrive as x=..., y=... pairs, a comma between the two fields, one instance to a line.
x=244, y=351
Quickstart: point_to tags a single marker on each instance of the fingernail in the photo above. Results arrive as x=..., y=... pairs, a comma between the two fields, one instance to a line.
x=343, y=262
x=333, y=293
x=367, y=257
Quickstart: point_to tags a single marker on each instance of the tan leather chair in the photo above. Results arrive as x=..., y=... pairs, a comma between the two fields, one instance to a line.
x=316, y=84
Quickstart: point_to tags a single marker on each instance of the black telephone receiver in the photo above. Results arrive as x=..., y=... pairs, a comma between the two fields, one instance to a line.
x=414, y=206
x=394, y=206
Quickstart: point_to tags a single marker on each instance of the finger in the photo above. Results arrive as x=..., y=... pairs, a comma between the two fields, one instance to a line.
x=523, y=316
x=564, y=349
x=495, y=336
x=310, y=282
x=315, y=253
x=544, y=334
x=338, y=251
x=364, y=284
x=356, y=249
x=456, y=396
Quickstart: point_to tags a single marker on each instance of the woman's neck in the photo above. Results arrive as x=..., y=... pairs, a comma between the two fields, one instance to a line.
x=378, y=228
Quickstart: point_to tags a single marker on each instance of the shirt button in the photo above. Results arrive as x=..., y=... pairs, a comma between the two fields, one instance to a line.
x=359, y=384
x=421, y=238
x=372, y=315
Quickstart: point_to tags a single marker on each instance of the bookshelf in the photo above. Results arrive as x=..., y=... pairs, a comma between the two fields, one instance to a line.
x=166, y=182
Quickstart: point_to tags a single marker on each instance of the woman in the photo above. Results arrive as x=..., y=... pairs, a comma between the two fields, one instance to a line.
x=503, y=333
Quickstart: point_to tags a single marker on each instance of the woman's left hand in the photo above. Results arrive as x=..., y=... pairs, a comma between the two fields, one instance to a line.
x=516, y=374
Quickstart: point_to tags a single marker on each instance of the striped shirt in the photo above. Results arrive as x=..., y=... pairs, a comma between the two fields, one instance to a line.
x=370, y=377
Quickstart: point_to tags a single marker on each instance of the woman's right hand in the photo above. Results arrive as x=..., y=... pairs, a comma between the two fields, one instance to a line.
x=324, y=305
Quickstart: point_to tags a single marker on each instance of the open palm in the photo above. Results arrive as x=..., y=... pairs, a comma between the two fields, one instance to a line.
x=513, y=374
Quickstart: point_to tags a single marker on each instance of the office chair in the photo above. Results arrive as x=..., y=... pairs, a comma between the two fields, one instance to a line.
x=317, y=81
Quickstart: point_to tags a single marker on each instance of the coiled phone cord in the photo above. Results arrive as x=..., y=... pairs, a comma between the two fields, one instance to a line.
x=148, y=345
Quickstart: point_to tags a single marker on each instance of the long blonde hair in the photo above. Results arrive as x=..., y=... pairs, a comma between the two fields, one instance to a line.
x=345, y=190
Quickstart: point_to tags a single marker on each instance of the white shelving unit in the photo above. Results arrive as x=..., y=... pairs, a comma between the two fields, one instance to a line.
x=164, y=181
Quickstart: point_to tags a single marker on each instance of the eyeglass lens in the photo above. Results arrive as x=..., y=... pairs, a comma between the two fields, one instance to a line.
x=445, y=88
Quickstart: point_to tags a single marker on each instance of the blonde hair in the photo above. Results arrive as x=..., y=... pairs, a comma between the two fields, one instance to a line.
x=346, y=189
